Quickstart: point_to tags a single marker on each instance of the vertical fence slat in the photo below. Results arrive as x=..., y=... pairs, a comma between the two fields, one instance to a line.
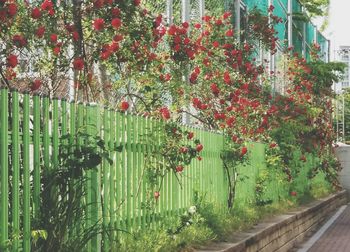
x=139, y=171
x=143, y=186
x=36, y=153
x=26, y=175
x=158, y=211
x=118, y=173
x=134, y=175
x=123, y=172
x=79, y=127
x=106, y=176
x=54, y=134
x=112, y=178
x=153, y=148
x=93, y=178
x=128, y=171
x=46, y=134
x=147, y=150
x=4, y=166
x=70, y=115
x=64, y=118
x=15, y=172
x=175, y=195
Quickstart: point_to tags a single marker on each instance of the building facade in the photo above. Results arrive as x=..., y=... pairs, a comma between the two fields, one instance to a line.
x=343, y=55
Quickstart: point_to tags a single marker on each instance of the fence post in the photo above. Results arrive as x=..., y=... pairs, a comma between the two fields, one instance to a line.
x=106, y=175
x=93, y=179
x=46, y=134
x=15, y=171
x=26, y=175
x=4, y=190
x=36, y=143
x=128, y=172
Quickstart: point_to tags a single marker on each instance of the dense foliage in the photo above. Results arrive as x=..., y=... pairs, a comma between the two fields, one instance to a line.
x=120, y=54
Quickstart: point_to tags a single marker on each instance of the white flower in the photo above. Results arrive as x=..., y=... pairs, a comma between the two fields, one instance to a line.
x=192, y=210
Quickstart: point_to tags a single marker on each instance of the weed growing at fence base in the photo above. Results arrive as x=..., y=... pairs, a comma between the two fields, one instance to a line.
x=208, y=221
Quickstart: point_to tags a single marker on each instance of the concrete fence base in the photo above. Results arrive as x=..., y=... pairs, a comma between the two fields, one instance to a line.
x=282, y=233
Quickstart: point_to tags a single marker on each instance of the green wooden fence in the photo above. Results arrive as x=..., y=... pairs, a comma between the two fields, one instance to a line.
x=30, y=131
x=30, y=135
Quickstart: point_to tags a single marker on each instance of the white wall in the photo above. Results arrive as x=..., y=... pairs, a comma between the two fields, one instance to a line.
x=343, y=154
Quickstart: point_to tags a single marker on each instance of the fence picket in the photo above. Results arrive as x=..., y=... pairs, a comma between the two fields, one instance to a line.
x=26, y=175
x=106, y=176
x=16, y=172
x=4, y=166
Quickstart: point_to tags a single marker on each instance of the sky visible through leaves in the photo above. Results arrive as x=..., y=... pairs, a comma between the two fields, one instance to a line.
x=338, y=28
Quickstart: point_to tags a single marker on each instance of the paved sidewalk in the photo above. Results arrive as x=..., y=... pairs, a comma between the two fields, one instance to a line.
x=337, y=237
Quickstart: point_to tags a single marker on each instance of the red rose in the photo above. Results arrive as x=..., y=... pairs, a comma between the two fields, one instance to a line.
x=187, y=41
x=216, y=44
x=218, y=22
x=115, y=12
x=177, y=39
x=190, y=135
x=179, y=168
x=293, y=193
x=197, y=26
x=214, y=88
x=78, y=64
x=35, y=85
x=165, y=113
x=118, y=38
x=172, y=30
x=273, y=145
x=227, y=15
x=114, y=47
x=57, y=50
x=137, y=2
x=105, y=54
x=193, y=77
x=40, y=32
x=99, y=24
x=19, y=40
x=116, y=23
x=156, y=195
x=75, y=36
x=177, y=48
x=51, y=12
x=185, y=25
x=53, y=38
x=206, y=18
x=11, y=9
x=183, y=149
x=12, y=60
x=199, y=147
x=244, y=151
x=227, y=78
x=229, y=33
x=124, y=105
x=98, y=3
x=47, y=5
x=36, y=13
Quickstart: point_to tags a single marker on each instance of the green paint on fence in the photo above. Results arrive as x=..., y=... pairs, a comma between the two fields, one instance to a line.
x=116, y=192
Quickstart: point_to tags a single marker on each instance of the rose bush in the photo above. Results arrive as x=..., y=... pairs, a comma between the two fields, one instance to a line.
x=121, y=54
